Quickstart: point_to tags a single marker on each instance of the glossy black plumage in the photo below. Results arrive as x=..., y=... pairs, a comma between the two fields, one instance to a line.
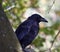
x=28, y=30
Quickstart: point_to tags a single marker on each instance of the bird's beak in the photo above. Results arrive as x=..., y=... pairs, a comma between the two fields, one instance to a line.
x=43, y=20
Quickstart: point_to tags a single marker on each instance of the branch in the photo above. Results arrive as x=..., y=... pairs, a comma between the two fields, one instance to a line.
x=9, y=8
x=8, y=39
x=54, y=40
x=51, y=6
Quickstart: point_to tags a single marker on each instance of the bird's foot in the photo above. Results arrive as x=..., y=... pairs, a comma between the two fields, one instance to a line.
x=29, y=49
x=29, y=46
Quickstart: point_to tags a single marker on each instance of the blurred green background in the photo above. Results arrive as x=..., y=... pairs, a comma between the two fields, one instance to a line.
x=18, y=11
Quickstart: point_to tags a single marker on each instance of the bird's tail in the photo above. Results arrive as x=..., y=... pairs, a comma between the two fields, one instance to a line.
x=23, y=48
x=26, y=50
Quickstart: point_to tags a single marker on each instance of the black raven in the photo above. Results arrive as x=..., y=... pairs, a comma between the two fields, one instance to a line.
x=28, y=30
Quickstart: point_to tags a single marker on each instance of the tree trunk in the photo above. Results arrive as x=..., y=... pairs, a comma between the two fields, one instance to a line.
x=8, y=39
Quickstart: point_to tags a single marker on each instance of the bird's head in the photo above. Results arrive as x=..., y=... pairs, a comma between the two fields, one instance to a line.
x=38, y=18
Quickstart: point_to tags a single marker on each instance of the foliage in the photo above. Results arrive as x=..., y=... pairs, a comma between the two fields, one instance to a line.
x=38, y=41
x=15, y=10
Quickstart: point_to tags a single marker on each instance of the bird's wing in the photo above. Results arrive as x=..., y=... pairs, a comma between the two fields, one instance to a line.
x=24, y=29
x=32, y=33
x=28, y=38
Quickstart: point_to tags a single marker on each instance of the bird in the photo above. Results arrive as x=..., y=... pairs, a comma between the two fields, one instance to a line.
x=28, y=30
